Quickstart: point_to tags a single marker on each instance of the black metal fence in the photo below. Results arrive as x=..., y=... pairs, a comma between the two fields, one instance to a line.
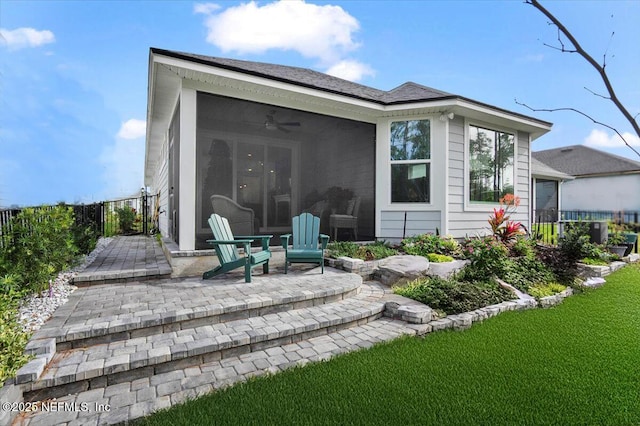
x=546, y=224
x=103, y=216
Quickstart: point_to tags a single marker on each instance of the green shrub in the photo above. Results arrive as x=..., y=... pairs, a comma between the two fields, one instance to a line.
x=524, y=272
x=563, y=266
x=126, y=218
x=12, y=339
x=575, y=245
x=453, y=296
x=373, y=251
x=439, y=258
x=85, y=237
x=523, y=247
x=594, y=262
x=42, y=245
x=342, y=248
x=425, y=244
x=488, y=258
x=544, y=290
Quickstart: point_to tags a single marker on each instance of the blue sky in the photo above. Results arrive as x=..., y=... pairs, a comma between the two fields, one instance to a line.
x=73, y=88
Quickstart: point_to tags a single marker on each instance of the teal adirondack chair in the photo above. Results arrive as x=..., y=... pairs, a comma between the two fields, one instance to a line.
x=307, y=244
x=227, y=250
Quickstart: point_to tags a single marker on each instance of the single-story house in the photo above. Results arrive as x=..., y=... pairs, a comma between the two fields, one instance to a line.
x=277, y=140
x=546, y=183
x=603, y=181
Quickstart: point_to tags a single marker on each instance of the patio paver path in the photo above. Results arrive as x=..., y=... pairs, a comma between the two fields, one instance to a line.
x=126, y=258
x=116, y=352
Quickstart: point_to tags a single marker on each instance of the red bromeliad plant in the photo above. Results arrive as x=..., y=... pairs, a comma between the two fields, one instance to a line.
x=504, y=229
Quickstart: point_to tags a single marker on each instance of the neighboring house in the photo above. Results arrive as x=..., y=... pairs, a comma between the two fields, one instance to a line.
x=546, y=183
x=275, y=138
x=603, y=181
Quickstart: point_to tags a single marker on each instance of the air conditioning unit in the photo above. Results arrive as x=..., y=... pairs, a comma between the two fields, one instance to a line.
x=598, y=232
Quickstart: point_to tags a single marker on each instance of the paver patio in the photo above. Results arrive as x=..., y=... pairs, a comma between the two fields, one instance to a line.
x=121, y=350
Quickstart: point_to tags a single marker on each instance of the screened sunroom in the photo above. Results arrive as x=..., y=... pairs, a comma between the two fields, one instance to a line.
x=265, y=164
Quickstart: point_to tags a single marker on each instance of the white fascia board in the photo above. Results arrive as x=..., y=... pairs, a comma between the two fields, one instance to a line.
x=148, y=173
x=532, y=126
x=155, y=131
x=475, y=111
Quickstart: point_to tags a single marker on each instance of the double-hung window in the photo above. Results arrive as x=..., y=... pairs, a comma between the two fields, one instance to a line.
x=411, y=161
x=491, y=164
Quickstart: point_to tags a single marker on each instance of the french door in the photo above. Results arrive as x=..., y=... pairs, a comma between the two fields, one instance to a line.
x=256, y=173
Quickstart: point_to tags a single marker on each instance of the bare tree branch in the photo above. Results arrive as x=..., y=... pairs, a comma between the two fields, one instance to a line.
x=596, y=94
x=599, y=68
x=584, y=115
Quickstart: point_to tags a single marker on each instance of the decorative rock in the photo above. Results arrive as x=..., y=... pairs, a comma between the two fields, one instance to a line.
x=594, y=282
x=614, y=266
x=400, y=269
x=415, y=314
x=589, y=271
x=556, y=299
x=446, y=269
x=442, y=324
x=461, y=321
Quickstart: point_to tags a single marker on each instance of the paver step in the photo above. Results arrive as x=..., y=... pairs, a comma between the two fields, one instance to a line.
x=135, y=397
x=199, y=304
x=104, y=364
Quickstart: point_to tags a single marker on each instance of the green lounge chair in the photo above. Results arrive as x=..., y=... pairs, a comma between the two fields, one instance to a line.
x=307, y=244
x=227, y=250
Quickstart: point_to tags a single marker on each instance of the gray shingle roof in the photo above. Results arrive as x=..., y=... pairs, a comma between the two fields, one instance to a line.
x=407, y=92
x=541, y=170
x=580, y=160
x=404, y=94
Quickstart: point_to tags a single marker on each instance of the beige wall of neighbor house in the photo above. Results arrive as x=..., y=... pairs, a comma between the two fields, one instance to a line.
x=616, y=193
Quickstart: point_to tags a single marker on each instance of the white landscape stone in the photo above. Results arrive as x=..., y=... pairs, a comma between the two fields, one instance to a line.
x=37, y=308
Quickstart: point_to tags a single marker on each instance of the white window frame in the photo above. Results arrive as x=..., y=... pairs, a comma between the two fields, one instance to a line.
x=417, y=161
x=483, y=206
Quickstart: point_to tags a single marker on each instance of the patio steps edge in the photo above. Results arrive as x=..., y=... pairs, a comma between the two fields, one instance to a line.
x=62, y=377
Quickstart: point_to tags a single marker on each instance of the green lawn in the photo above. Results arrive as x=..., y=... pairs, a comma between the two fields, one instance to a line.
x=577, y=363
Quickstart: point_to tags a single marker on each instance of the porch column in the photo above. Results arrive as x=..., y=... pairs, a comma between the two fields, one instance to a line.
x=187, y=167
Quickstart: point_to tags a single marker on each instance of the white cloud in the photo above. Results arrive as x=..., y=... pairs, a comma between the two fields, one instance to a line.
x=133, y=129
x=603, y=139
x=350, y=70
x=324, y=32
x=533, y=58
x=25, y=37
x=122, y=165
x=205, y=8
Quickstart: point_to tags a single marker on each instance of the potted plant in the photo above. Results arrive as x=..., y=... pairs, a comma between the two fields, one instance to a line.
x=616, y=243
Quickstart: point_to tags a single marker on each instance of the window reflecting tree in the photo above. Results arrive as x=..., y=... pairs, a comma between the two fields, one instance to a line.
x=411, y=140
x=410, y=161
x=491, y=164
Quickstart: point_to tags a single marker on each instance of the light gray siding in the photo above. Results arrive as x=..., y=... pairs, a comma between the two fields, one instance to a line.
x=523, y=180
x=395, y=225
x=472, y=220
x=161, y=179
